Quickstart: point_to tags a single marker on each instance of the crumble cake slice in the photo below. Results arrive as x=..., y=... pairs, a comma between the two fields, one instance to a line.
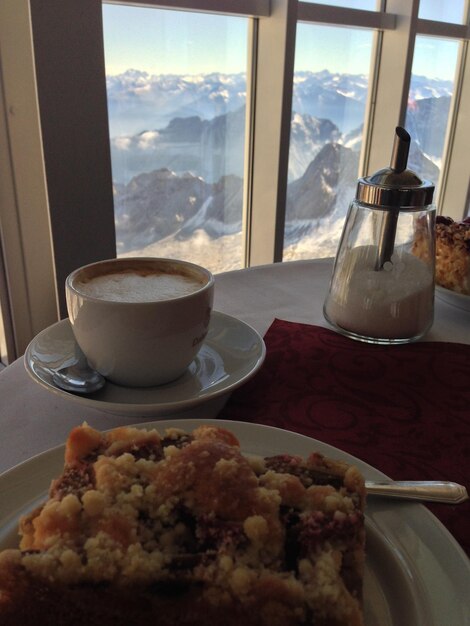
x=452, y=242
x=184, y=529
x=453, y=254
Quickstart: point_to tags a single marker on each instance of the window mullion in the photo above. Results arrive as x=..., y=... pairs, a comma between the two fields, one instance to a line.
x=454, y=187
x=29, y=286
x=443, y=29
x=454, y=193
x=70, y=71
x=393, y=81
x=249, y=140
x=272, y=118
x=354, y=18
x=246, y=8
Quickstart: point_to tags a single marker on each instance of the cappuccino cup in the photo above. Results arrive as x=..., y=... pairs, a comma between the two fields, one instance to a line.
x=140, y=321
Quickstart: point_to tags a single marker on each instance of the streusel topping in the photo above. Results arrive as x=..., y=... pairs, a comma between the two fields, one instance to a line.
x=134, y=507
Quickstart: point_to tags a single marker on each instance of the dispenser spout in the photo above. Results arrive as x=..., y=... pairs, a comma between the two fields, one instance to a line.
x=388, y=228
x=400, y=151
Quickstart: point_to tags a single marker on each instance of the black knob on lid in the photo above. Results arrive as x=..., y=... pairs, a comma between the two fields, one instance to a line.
x=401, y=149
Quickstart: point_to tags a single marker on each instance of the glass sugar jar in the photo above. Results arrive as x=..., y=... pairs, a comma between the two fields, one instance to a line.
x=382, y=286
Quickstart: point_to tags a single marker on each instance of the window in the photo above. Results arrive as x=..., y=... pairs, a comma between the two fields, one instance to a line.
x=57, y=209
x=430, y=97
x=331, y=82
x=177, y=111
x=451, y=12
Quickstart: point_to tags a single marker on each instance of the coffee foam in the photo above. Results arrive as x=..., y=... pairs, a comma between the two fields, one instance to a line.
x=132, y=286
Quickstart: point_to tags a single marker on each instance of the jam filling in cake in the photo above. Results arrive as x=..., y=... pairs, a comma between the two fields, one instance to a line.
x=185, y=529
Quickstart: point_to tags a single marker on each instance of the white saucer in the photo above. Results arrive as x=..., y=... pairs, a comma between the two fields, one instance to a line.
x=231, y=354
x=459, y=300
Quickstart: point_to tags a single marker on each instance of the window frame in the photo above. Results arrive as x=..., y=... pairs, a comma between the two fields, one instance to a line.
x=27, y=287
x=39, y=248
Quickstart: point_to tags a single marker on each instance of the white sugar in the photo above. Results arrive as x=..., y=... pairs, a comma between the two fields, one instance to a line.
x=396, y=302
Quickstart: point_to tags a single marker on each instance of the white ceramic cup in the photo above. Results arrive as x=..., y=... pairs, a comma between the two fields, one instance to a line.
x=151, y=340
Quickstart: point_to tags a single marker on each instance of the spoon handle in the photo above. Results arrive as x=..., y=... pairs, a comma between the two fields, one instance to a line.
x=430, y=490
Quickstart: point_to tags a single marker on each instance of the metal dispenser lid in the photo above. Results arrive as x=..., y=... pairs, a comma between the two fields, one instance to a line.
x=396, y=186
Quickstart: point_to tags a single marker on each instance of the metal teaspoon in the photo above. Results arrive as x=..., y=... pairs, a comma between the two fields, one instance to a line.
x=75, y=378
x=78, y=377
x=425, y=490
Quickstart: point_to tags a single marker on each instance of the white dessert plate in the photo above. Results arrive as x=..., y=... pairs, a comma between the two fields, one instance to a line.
x=416, y=574
x=459, y=300
x=231, y=354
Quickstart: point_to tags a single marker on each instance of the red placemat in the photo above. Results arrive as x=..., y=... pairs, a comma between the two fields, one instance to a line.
x=403, y=409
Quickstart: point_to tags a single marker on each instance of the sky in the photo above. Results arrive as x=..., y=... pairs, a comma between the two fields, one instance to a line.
x=152, y=40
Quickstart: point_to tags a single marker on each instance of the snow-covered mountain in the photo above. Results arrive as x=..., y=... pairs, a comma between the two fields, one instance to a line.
x=159, y=204
x=139, y=101
x=177, y=146
x=426, y=122
x=214, y=148
x=424, y=87
x=184, y=122
x=208, y=148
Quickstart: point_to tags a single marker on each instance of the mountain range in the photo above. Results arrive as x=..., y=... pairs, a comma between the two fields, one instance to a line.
x=160, y=204
x=185, y=176
x=215, y=148
x=140, y=101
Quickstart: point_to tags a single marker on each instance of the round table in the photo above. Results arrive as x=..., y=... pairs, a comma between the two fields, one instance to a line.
x=32, y=419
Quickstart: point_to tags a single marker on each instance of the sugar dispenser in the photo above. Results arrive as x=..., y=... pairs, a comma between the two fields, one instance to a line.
x=382, y=286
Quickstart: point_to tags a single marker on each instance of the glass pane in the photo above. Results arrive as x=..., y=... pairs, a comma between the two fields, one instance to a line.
x=369, y=5
x=328, y=108
x=451, y=12
x=431, y=88
x=177, y=131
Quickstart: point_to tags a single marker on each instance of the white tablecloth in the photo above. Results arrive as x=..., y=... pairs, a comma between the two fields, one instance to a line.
x=33, y=419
